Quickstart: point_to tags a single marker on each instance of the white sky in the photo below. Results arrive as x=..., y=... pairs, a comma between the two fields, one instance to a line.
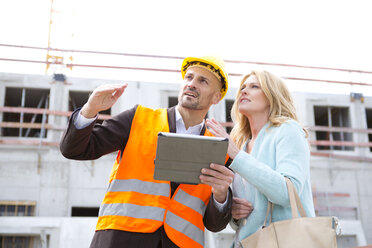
x=316, y=33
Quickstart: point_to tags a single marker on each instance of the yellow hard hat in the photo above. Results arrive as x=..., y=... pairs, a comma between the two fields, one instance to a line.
x=214, y=64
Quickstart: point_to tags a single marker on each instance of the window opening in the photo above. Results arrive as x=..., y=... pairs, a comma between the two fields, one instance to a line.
x=25, y=98
x=77, y=99
x=84, y=211
x=172, y=101
x=369, y=125
x=333, y=117
x=228, y=107
x=17, y=208
x=16, y=242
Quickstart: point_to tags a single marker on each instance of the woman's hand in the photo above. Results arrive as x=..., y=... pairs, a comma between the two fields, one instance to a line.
x=219, y=131
x=241, y=208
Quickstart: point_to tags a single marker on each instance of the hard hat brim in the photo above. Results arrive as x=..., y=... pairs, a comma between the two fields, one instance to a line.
x=216, y=69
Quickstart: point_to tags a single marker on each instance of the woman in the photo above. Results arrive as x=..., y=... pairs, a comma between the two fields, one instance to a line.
x=266, y=144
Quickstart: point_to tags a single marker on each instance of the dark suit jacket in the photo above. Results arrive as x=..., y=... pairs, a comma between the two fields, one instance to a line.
x=112, y=135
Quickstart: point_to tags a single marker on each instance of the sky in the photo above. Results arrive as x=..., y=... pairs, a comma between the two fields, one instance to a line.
x=311, y=33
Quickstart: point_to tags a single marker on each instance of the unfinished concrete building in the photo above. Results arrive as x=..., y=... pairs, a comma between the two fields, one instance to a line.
x=49, y=201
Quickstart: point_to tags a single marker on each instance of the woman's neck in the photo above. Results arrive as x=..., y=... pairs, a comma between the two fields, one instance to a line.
x=256, y=124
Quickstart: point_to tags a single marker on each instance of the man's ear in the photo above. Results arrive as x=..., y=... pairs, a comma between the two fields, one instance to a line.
x=217, y=98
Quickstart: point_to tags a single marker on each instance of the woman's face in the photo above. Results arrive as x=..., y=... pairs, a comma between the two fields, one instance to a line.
x=252, y=99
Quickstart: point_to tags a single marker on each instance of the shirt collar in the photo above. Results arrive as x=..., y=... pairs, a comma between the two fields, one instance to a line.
x=181, y=125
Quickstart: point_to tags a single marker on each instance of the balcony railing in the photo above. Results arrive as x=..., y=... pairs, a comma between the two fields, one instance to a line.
x=50, y=126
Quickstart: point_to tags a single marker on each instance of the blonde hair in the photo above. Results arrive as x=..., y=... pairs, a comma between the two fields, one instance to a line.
x=282, y=107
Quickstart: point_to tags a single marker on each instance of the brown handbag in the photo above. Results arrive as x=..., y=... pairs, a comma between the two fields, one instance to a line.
x=304, y=232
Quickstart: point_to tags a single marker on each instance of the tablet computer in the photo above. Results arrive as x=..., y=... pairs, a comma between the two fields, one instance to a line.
x=180, y=157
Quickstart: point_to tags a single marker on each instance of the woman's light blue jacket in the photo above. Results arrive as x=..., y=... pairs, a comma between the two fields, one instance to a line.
x=278, y=152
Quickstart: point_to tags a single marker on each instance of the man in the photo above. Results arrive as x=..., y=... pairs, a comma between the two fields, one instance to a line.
x=138, y=211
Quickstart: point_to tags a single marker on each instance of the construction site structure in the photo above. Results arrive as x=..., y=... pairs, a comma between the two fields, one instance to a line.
x=49, y=201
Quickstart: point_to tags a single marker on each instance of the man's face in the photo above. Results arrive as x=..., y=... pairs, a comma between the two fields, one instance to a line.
x=200, y=89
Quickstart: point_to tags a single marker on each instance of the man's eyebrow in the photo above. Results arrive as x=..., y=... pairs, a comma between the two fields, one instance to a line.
x=204, y=78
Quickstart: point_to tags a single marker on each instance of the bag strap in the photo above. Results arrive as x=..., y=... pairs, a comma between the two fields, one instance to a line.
x=270, y=207
x=294, y=200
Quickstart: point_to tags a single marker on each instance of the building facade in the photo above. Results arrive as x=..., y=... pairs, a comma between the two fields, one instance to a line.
x=49, y=201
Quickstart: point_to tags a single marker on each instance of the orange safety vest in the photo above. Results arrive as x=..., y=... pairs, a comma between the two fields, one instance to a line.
x=135, y=202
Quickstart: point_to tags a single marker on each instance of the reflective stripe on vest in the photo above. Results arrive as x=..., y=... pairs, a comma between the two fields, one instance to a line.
x=139, y=186
x=131, y=210
x=185, y=227
x=182, y=225
x=191, y=201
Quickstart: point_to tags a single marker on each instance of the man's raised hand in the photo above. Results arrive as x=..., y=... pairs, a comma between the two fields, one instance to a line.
x=102, y=98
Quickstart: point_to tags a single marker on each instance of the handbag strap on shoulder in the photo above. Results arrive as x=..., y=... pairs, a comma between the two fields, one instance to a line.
x=295, y=202
x=270, y=207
